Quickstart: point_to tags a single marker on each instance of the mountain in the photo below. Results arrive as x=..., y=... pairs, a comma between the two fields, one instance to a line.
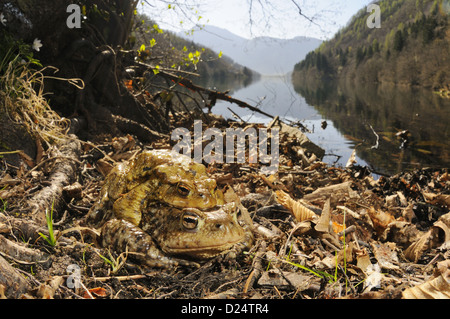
x=168, y=50
x=265, y=55
x=411, y=48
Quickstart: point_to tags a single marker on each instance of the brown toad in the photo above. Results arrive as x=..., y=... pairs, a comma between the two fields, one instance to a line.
x=172, y=236
x=155, y=176
x=164, y=206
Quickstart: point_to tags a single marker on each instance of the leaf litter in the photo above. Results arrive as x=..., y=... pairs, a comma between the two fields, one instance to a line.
x=321, y=232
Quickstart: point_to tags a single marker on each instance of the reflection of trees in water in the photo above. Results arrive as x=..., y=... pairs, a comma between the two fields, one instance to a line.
x=225, y=81
x=389, y=110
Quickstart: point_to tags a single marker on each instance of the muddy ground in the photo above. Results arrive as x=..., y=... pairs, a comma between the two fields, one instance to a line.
x=367, y=238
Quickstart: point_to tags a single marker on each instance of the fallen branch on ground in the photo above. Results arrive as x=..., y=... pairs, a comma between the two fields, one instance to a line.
x=212, y=94
x=63, y=173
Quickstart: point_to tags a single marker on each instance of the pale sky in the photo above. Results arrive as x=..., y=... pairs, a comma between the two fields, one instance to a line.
x=280, y=18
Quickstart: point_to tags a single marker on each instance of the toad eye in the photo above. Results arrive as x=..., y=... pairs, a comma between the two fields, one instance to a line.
x=183, y=190
x=189, y=220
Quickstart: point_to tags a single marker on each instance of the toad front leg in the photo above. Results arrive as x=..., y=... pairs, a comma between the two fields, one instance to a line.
x=122, y=235
x=129, y=206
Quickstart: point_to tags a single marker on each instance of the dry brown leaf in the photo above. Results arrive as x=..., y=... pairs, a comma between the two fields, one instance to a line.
x=39, y=151
x=363, y=260
x=408, y=213
x=323, y=224
x=437, y=288
x=271, y=178
x=284, y=279
x=443, y=267
x=104, y=167
x=444, y=177
x=123, y=144
x=379, y=218
x=402, y=233
x=95, y=292
x=7, y=180
x=352, y=159
x=5, y=194
x=27, y=159
x=48, y=290
x=2, y=292
x=436, y=236
x=4, y=228
x=230, y=196
x=386, y=255
x=298, y=210
x=440, y=199
x=416, y=249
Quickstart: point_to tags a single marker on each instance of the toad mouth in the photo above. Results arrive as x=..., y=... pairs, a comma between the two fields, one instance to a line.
x=200, y=249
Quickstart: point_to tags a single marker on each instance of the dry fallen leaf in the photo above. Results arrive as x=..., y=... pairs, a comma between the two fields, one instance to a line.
x=27, y=159
x=2, y=292
x=374, y=277
x=48, y=290
x=416, y=249
x=386, y=255
x=7, y=180
x=297, y=209
x=231, y=197
x=104, y=167
x=437, y=288
x=337, y=228
x=379, y=218
x=323, y=224
x=123, y=144
x=363, y=260
x=436, y=236
x=440, y=199
x=352, y=159
x=96, y=292
x=335, y=192
x=284, y=279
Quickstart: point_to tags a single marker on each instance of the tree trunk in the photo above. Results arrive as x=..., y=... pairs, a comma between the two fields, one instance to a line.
x=88, y=53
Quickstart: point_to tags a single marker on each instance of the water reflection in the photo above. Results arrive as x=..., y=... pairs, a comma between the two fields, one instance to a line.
x=367, y=113
x=224, y=83
x=272, y=94
x=276, y=95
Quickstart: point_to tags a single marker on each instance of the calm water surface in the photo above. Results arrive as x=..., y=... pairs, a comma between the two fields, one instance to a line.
x=356, y=117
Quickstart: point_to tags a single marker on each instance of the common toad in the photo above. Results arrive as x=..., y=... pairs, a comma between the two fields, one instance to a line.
x=163, y=206
x=172, y=236
x=155, y=176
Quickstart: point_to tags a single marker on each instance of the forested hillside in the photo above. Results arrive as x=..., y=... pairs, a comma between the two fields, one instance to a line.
x=412, y=48
x=154, y=45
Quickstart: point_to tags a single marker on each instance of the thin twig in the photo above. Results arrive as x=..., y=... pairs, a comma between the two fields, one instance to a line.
x=237, y=116
x=122, y=278
x=378, y=138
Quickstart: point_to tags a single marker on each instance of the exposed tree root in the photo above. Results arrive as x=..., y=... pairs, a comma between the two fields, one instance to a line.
x=63, y=174
x=14, y=284
x=21, y=254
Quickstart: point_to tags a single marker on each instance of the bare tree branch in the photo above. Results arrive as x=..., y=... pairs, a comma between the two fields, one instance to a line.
x=300, y=12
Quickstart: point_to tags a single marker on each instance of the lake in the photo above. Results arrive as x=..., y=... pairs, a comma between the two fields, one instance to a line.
x=367, y=118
